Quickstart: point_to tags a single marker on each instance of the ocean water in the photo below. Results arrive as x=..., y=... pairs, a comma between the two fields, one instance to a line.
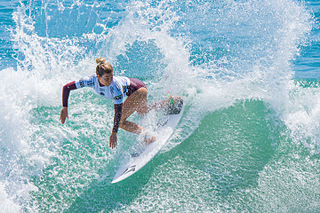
x=248, y=71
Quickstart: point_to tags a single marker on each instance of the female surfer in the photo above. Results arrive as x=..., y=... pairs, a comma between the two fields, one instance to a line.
x=117, y=88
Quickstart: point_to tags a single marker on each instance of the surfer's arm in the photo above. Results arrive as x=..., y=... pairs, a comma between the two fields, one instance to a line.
x=66, y=91
x=116, y=123
x=117, y=117
x=85, y=82
x=65, y=95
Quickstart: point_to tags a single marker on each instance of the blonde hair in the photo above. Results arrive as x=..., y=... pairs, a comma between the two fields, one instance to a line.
x=103, y=67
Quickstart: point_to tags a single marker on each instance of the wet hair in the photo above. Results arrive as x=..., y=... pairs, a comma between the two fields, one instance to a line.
x=103, y=67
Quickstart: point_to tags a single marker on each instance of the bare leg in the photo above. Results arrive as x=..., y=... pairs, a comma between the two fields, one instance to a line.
x=162, y=104
x=131, y=127
x=135, y=102
x=138, y=102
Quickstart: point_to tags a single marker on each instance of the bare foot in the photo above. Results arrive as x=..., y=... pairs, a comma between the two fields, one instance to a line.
x=149, y=139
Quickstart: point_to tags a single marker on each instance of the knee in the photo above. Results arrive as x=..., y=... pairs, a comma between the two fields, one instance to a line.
x=122, y=123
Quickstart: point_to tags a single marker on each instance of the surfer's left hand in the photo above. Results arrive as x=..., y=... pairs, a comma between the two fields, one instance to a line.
x=113, y=140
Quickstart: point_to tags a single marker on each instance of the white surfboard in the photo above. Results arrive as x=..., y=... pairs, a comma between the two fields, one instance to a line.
x=163, y=134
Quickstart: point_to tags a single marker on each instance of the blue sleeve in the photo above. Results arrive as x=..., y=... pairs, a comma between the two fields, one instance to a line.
x=85, y=82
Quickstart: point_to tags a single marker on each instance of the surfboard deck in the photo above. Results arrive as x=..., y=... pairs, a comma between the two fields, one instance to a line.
x=138, y=160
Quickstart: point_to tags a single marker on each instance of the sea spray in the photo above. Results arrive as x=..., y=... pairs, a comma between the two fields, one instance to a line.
x=231, y=62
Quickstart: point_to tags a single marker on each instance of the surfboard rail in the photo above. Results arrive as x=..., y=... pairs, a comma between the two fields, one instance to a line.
x=163, y=134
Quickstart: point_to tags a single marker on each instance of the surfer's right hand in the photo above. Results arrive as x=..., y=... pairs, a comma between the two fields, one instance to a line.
x=64, y=114
x=113, y=140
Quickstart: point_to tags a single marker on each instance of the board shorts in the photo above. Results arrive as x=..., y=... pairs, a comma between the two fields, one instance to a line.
x=135, y=84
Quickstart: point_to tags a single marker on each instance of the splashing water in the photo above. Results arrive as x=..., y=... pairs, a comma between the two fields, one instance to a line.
x=230, y=60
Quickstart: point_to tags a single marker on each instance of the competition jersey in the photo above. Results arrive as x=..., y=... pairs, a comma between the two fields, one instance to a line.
x=116, y=91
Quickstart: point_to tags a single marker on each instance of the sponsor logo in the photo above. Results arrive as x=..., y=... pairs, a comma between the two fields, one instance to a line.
x=130, y=169
x=81, y=83
x=90, y=83
x=119, y=97
x=125, y=89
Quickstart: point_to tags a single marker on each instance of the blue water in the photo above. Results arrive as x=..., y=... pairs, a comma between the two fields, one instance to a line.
x=306, y=65
x=249, y=74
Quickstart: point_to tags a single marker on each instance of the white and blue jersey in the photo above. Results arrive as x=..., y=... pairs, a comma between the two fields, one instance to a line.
x=116, y=91
x=119, y=88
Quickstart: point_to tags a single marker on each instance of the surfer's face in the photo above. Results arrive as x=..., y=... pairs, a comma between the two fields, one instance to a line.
x=106, y=79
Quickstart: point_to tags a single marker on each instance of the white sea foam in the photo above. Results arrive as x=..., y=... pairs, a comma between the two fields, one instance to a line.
x=6, y=204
